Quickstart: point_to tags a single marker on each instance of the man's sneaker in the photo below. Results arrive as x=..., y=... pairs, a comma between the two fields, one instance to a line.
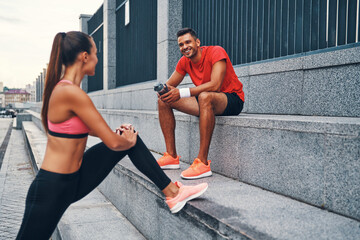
x=197, y=170
x=186, y=193
x=168, y=162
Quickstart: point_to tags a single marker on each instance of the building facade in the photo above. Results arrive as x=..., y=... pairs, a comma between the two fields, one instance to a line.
x=31, y=88
x=16, y=96
x=2, y=96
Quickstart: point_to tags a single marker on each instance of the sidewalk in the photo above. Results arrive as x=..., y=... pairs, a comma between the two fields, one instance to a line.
x=15, y=178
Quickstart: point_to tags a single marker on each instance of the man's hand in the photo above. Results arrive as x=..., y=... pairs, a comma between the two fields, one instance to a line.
x=171, y=96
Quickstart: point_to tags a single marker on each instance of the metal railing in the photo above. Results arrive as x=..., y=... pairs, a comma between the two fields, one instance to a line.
x=136, y=41
x=255, y=30
x=95, y=29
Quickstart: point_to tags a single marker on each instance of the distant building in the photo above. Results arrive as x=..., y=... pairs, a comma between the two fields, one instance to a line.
x=39, y=85
x=13, y=96
x=31, y=88
x=2, y=96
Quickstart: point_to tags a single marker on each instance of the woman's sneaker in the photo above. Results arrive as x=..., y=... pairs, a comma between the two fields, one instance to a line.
x=197, y=170
x=186, y=193
x=168, y=162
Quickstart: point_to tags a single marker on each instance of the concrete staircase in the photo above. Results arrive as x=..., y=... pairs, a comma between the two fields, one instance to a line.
x=286, y=168
x=230, y=209
x=312, y=159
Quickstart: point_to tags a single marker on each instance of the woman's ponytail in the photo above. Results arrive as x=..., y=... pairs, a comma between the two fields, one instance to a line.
x=53, y=74
x=65, y=49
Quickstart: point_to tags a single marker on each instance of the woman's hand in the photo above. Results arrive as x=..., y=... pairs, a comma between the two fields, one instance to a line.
x=127, y=131
x=122, y=127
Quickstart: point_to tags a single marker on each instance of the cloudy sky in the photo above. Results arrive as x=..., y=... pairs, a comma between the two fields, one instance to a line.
x=27, y=29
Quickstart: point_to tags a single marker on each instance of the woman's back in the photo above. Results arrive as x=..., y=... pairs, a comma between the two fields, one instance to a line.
x=67, y=134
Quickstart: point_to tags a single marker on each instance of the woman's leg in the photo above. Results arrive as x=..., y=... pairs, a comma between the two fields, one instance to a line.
x=49, y=195
x=97, y=163
x=99, y=160
x=143, y=160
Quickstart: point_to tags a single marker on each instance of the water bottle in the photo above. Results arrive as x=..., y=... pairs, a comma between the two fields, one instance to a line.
x=161, y=88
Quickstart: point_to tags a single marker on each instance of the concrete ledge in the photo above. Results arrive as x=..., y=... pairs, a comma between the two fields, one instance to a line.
x=312, y=84
x=305, y=61
x=35, y=141
x=99, y=218
x=228, y=210
x=22, y=117
x=316, y=84
x=312, y=159
x=36, y=119
x=140, y=96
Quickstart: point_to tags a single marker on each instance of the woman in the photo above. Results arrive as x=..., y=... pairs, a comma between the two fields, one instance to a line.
x=68, y=174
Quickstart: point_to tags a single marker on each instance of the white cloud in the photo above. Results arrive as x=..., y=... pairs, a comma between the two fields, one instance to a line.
x=27, y=31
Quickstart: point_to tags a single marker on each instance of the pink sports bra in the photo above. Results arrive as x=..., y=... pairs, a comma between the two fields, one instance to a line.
x=71, y=128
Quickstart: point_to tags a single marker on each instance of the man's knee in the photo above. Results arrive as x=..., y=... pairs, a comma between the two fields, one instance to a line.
x=205, y=99
x=162, y=104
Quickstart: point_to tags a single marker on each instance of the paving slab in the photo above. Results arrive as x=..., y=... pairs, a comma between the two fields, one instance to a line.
x=16, y=176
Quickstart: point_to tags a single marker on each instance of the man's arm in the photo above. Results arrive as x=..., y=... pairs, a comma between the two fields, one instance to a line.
x=175, y=79
x=217, y=77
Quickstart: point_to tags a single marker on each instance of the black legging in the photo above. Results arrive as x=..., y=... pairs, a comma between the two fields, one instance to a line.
x=50, y=194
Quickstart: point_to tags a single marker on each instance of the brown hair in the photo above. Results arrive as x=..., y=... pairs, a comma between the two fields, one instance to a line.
x=65, y=49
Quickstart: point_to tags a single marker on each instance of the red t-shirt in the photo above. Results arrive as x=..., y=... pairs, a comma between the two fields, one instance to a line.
x=200, y=72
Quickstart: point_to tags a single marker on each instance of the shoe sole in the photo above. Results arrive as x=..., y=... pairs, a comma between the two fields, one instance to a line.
x=172, y=166
x=181, y=204
x=207, y=174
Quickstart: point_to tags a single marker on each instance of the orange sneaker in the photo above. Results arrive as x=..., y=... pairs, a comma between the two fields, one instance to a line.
x=186, y=193
x=168, y=162
x=197, y=170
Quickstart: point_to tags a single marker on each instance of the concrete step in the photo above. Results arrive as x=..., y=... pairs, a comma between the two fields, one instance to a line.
x=93, y=217
x=312, y=159
x=229, y=209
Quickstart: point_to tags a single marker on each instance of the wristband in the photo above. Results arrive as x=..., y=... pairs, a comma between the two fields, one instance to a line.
x=184, y=92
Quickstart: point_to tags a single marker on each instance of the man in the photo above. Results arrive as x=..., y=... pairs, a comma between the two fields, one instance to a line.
x=218, y=91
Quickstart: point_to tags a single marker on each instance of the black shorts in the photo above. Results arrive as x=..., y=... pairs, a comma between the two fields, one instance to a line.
x=234, y=105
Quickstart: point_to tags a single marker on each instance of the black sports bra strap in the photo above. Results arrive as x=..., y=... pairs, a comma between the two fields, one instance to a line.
x=65, y=135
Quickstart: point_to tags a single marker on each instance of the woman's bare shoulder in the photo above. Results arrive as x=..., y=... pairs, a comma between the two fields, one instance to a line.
x=67, y=92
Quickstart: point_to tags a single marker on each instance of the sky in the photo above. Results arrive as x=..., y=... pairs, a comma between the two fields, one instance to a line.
x=27, y=30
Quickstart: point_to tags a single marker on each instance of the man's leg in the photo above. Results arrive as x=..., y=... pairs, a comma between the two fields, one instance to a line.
x=210, y=104
x=167, y=119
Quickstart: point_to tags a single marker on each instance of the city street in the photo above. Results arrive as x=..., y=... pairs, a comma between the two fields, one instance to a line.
x=15, y=178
